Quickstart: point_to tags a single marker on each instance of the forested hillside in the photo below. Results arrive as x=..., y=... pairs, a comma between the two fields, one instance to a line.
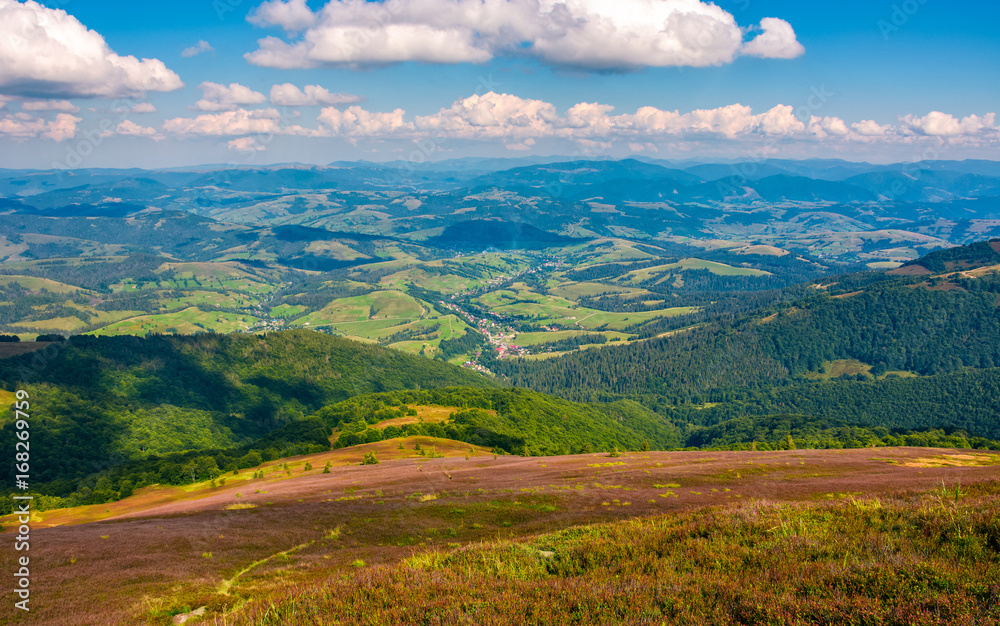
x=892, y=326
x=511, y=420
x=968, y=400
x=105, y=400
x=944, y=329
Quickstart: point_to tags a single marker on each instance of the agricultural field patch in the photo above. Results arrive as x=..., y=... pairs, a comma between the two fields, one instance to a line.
x=376, y=306
x=34, y=283
x=189, y=321
x=545, y=310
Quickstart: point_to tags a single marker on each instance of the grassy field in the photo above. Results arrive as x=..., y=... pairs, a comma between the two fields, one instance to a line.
x=223, y=276
x=574, y=291
x=428, y=414
x=545, y=310
x=383, y=314
x=664, y=272
x=606, y=250
x=851, y=367
x=757, y=563
x=33, y=283
x=901, y=535
x=377, y=306
x=189, y=321
x=335, y=250
x=226, y=299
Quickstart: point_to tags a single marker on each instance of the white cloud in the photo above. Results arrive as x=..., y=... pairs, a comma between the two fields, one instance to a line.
x=312, y=95
x=292, y=15
x=778, y=41
x=228, y=123
x=938, y=124
x=590, y=115
x=25, y=126
x=130, y=128
x=492, y=115
x=200, y=48
x=246, y=144
x=356, y=121
x=780, y=120
x=870, y=128
x=634, y=33
x=50, y=105
x=828, y=126
x=218, y=97
x=586, y=34
x=518, y=123
x=47, y=53
x=144, y=107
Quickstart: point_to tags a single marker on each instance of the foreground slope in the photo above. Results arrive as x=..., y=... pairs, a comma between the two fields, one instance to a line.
x=864, y=532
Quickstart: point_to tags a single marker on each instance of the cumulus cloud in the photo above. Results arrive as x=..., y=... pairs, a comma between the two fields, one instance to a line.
x=131, y=129
x=518, y=123
x=47, y=53
x=312, y=95
x=870, y=128
x=216, y=97
x=246, y=144
x=144, y=107
x=492, y=115
x=828, y=126
x=586, y=34
x=938, y=124
x=26, y=126
x=777, y=41
x=50, y=105
x=356, y=122
x=228, y=123
x=199, y=48
x=292, y=15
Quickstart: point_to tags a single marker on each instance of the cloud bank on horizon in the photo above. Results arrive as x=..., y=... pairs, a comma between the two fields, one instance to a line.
x=51, y=65
x=518, y=123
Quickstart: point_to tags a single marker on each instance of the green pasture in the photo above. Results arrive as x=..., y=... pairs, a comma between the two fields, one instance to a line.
x=189, y=321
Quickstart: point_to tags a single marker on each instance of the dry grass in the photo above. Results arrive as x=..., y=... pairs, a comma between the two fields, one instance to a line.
x=955, y=460
x=428, y=414
x=313, y=527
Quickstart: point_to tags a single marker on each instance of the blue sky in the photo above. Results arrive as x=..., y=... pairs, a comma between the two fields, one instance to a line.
x=871, y=80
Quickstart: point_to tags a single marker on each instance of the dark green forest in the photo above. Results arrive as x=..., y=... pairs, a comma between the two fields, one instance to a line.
x=891, y=325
